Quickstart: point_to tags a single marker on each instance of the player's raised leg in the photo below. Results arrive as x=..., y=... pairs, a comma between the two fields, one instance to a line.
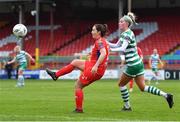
x=153, y=90
x=76, y=63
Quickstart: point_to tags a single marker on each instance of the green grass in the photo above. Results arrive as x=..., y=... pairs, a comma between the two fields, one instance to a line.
x=48, y=100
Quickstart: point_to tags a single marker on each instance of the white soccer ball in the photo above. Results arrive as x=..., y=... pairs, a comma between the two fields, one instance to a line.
x=20, y=30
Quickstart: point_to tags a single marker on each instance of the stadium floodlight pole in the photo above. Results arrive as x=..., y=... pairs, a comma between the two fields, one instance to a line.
x=37, y=33
x=20, y=40
x=20, y=14
x=120, y=9
x=129, y=5
x=119, y=69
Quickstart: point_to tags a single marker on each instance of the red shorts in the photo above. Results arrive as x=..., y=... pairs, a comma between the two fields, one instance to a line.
x=88, y=77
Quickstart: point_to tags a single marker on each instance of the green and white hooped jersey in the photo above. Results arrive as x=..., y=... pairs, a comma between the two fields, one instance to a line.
x=131, y=56
x=21, y=57
x=154, y=60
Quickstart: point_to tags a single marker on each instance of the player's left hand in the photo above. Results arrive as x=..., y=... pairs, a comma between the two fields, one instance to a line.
x=94, y=69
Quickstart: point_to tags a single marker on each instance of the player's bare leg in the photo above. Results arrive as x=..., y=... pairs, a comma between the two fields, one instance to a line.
x=156, y=75
x=20, y=82
x=153, y=90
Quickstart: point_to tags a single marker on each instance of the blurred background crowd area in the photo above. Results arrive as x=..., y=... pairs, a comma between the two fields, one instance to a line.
x=64, y=29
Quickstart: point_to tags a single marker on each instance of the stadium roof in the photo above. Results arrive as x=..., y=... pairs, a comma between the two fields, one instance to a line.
x=14, y=0
x=25, y=0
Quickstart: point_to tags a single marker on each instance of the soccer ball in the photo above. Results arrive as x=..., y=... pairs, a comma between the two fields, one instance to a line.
x=20, y=30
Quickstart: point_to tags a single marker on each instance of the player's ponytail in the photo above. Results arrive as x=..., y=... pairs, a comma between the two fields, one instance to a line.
x=130, y=18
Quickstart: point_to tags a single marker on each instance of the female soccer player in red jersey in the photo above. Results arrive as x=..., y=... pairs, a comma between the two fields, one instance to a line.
x=92, y=70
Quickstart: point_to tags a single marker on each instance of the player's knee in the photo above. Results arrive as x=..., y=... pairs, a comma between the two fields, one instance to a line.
x=79, y=85
x=74, y=62
x=20, y=72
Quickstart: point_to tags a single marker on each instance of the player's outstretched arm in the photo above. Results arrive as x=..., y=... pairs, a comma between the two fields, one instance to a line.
x=161, y=63
x=150, y=62
x=121, y=48
x=112, y=45
x=12, y=61
x=122, y=60
x=30, y=57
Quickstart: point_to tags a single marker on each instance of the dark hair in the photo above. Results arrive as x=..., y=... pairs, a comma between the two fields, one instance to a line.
x=103, y=28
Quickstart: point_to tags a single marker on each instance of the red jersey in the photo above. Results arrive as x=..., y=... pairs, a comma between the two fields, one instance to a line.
x=95, y=53
x=140, y=52
x=87, y=76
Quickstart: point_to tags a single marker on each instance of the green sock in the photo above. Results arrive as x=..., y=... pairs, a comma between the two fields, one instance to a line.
x=155, y=91
x=125, y=96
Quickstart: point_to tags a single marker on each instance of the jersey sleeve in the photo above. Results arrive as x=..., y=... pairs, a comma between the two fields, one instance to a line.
x=119, y=42
x=126, y=38
x=100, y=45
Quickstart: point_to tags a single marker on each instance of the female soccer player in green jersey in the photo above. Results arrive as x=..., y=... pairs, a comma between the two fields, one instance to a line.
x=22, y=61
x=134, y=65
x=153, y=63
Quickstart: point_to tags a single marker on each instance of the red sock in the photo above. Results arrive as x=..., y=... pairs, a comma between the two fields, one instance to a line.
x=65, y=70
x=79, y=98
x=131, y=83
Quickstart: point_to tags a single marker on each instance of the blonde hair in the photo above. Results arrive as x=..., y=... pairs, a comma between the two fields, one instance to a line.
x=17, y=48
x=130, y=18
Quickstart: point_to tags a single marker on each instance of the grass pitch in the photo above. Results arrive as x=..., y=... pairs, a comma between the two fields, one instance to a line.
x=42, y=100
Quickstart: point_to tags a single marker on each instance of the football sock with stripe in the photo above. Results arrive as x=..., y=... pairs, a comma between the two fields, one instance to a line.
x=125, y=96
x=155, y=91
x=20, y=80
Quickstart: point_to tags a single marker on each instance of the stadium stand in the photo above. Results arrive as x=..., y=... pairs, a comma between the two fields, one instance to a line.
x=152, y=32
x=165, y=39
